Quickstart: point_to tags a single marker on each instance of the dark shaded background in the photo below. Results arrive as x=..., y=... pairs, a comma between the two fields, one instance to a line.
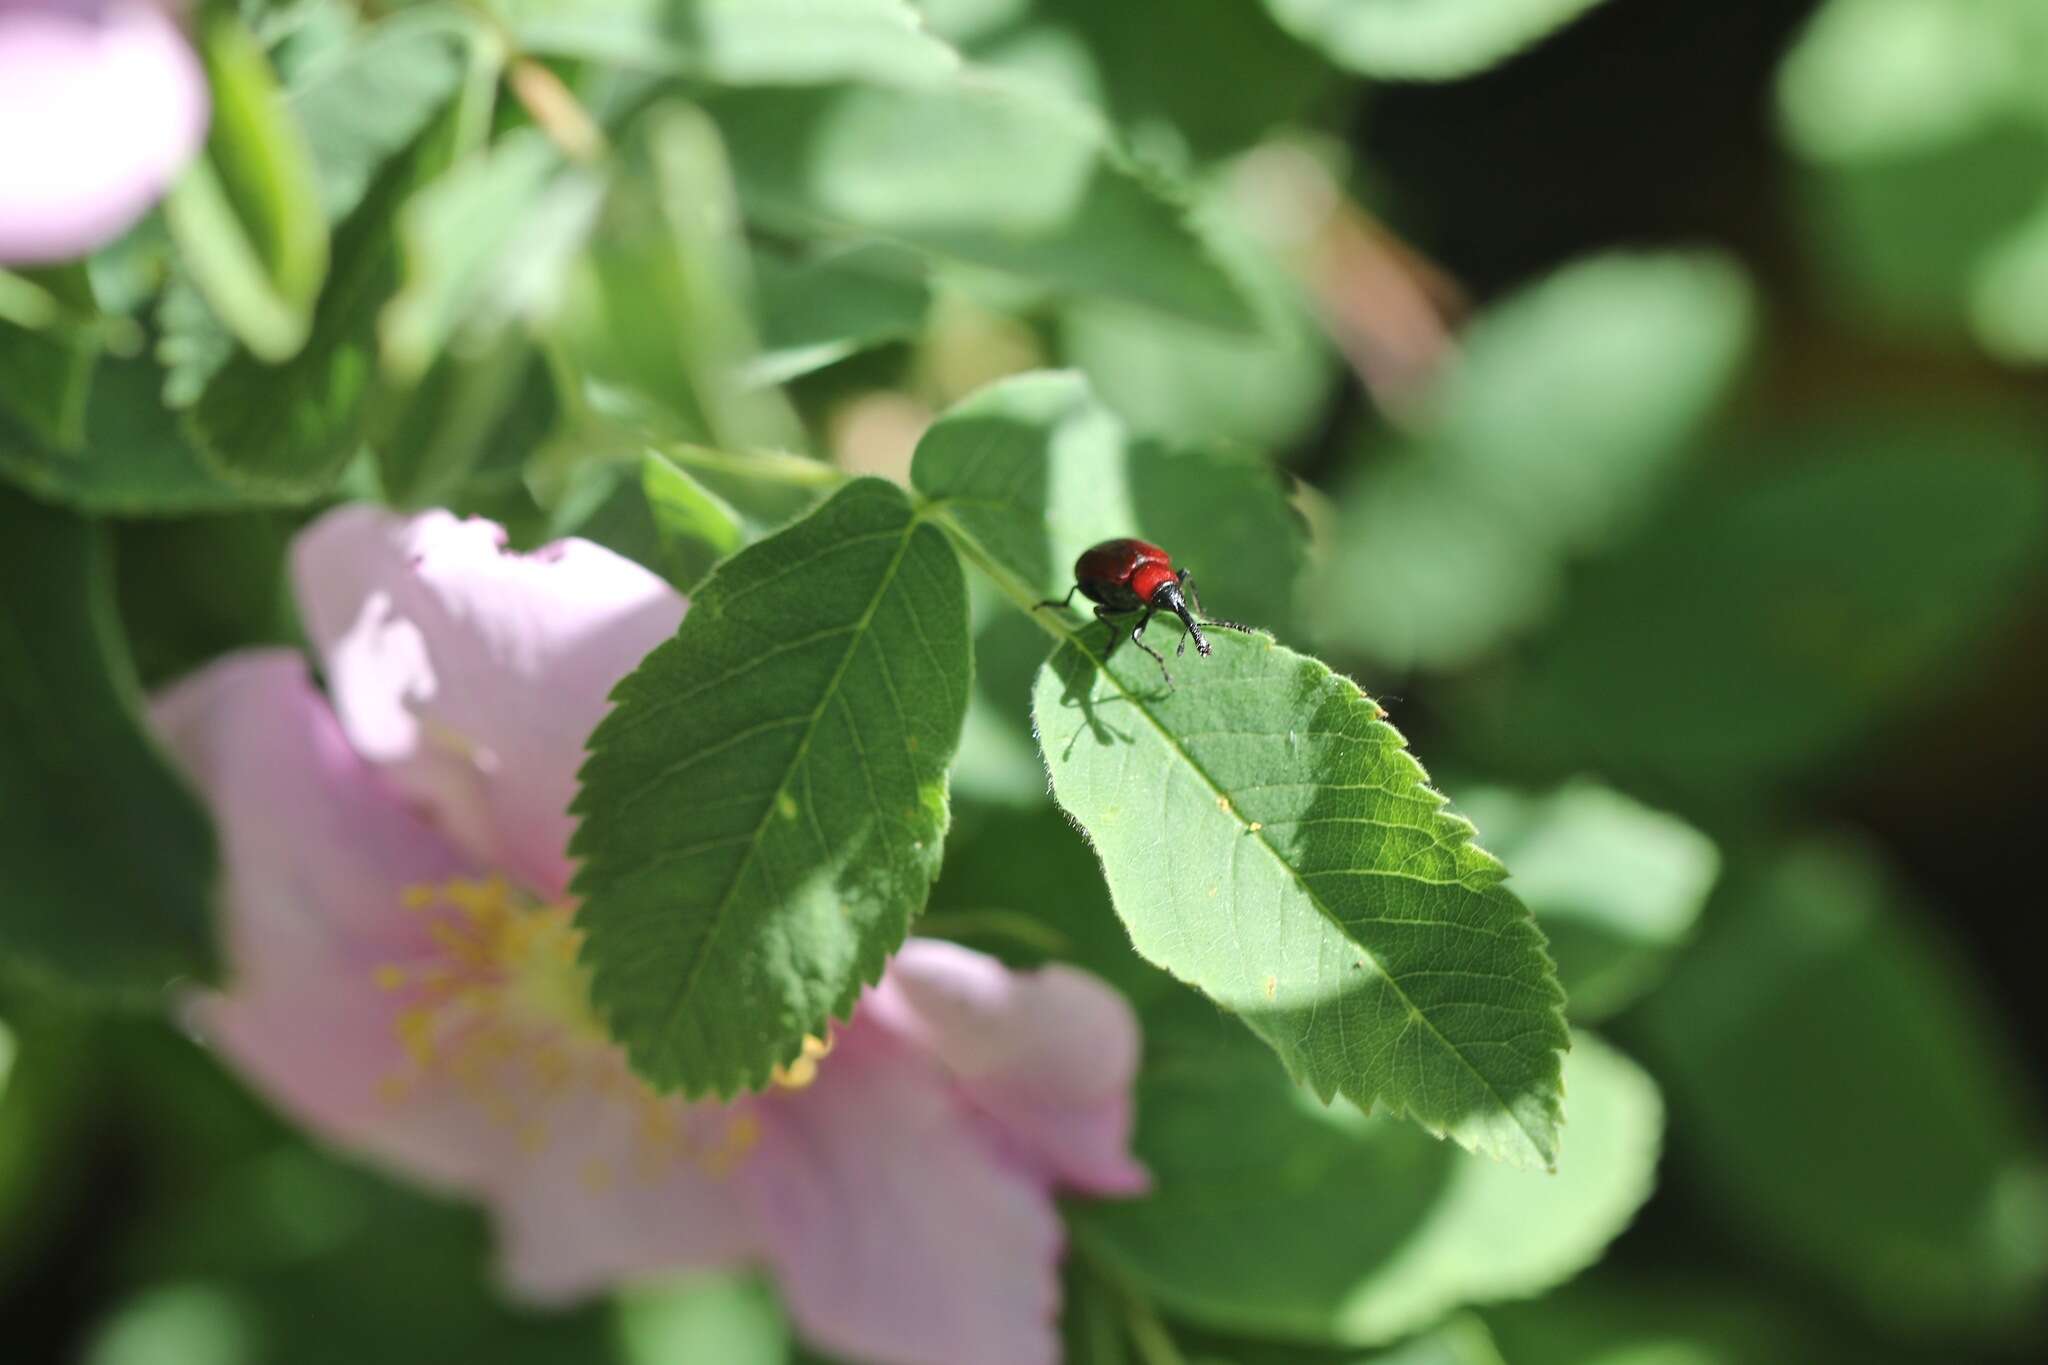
x=1649, y=123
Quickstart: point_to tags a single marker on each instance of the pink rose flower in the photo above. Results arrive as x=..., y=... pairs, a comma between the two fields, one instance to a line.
x=101, y=104
x=404, y=977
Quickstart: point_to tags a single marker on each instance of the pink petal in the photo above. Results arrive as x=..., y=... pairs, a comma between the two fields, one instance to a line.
x=317, y=852
x=602, y=1204
x=897, y=1233
x=101, y=104
x=474, y=673
x=1047, y=1056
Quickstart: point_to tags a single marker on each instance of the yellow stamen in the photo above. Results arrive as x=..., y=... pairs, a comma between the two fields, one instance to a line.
x=499, y=1014
x=416, y=1032
x=742, y=1135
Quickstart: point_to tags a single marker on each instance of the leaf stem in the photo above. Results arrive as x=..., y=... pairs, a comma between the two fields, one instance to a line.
x=1155, y=1344
x=1147, y=1331
x=1012, y=587
x=768, y=466
x=556, y=110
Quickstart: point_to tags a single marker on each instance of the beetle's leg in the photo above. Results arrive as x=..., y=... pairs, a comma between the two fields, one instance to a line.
x=1137, y=638
x=1059, y=601
x=1116, y=637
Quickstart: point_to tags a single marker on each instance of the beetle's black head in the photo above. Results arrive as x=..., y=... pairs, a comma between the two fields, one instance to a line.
x=1170, y=598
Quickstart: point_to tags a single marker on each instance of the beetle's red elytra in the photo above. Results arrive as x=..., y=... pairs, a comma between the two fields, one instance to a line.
x=1127, y=575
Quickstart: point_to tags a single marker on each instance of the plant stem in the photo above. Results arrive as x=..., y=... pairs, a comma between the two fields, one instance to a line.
x=769, y=466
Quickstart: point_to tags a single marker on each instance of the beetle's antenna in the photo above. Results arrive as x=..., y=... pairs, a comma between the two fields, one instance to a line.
x=1172, y=597
x=1231, y=625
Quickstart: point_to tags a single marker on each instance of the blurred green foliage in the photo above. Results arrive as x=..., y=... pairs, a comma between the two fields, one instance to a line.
x=1717, y=537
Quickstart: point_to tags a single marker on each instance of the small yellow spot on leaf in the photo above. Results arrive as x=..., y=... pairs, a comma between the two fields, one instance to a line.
x=786, y=804
x=1254, y=827
x=1272, y=987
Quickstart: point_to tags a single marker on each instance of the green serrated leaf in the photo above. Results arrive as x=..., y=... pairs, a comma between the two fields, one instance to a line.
x=246, y=215
x=1425, y=40
x=1033, y=469
x=981, y=169
x=366, y=101
x=1272, y=1216
x=1268, y=838
x=736, y=42
x=110, y=860
x=133, y=462
x=1615, y=885
x=763, y=810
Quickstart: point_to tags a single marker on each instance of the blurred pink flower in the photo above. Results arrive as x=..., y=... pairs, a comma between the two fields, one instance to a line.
x=405, y=980
x=101, y=104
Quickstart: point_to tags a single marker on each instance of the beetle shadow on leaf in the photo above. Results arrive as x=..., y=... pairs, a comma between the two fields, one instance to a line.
x=1078, y=668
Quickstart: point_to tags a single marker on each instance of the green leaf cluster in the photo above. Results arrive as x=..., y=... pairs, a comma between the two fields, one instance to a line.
x=1922, y=128
x=1707, y=580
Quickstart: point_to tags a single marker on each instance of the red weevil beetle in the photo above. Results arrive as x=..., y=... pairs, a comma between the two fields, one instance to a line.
x=1123, y=576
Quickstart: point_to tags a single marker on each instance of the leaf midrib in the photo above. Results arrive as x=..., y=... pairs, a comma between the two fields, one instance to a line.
x=1322, y=908
x=1068, y=638
x=687, y=990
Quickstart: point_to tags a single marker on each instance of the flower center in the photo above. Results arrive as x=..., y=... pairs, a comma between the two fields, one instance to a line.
x=504, y=961
x=500, y=1013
